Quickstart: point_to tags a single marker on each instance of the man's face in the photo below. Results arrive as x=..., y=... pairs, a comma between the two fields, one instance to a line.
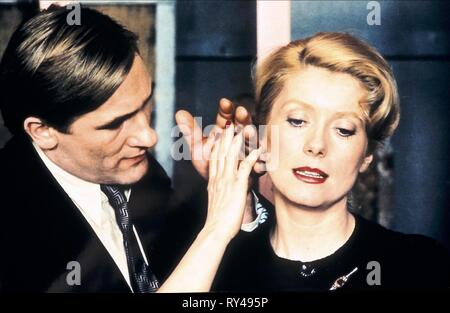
x=108, y=145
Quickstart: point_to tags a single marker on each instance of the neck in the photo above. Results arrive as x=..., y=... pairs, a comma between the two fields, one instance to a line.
x=55, y=166
x=307, y=234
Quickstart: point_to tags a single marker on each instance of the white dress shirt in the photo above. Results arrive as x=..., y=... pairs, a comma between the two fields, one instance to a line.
x=97, y=211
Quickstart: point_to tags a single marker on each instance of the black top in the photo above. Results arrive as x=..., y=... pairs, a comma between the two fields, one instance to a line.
x=401, y=262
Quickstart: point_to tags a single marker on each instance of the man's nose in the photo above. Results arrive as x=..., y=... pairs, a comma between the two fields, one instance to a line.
x=143, y=136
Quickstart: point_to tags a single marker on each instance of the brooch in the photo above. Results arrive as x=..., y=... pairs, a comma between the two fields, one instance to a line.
x=342, y=280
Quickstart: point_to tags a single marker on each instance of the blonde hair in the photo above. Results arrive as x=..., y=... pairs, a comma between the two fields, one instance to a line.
x=341, y=53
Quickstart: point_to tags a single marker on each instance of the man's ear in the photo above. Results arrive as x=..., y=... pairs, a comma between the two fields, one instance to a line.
x=42, y=134
x=366, y=162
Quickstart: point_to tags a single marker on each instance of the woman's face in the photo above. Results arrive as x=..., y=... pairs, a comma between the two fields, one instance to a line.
x=321, y=143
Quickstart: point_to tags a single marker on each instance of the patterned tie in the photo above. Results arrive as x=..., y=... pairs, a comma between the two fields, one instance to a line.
x=141, y=277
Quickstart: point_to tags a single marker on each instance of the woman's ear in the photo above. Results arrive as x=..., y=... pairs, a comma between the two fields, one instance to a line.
x=260, y=166
x=42, y=134
x=366, y=162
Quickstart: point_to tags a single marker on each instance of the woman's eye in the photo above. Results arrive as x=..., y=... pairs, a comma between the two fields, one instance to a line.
x=345, y=132
x=296, y=122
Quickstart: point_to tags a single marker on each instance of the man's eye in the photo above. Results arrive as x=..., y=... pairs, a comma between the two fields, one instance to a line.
x=114, y=125
x=296, y=122
x=346, y=132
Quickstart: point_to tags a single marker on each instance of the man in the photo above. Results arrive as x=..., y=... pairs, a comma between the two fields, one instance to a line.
x=83, y=203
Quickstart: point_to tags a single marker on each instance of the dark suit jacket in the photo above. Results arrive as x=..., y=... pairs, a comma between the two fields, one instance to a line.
x=42, y=230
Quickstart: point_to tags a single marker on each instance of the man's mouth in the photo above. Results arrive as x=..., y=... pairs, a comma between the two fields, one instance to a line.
x=310, y=175
x=137, y=158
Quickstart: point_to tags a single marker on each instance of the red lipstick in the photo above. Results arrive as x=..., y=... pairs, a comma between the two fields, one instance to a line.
x=310, y=175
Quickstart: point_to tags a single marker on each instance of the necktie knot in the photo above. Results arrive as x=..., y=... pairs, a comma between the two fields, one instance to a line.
x=115, y=194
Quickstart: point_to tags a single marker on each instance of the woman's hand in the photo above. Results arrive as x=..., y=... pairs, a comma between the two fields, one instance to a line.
x=228, y=183
x=227, y=193
x=200, y=146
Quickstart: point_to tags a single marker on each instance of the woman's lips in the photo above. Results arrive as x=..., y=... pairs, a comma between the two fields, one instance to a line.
x=310, y=175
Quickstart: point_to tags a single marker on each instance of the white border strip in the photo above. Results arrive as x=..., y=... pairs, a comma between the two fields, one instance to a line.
x=100, y=2
x=273, y=22
x=165, y=82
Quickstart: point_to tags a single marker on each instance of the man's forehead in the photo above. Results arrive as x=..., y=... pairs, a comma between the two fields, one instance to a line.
x=127, y=102
x=136, y=87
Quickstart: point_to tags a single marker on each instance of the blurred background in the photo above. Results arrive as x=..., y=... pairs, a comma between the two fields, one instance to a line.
x=201, y=51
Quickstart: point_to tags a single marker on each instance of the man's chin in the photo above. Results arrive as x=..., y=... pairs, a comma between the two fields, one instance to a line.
x=134, y=174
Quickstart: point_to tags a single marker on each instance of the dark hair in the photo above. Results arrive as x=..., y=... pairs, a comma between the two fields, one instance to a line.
x=58, y=72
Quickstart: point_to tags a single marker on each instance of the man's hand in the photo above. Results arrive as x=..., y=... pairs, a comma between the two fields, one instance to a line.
x=44, y=4
x=200, y=146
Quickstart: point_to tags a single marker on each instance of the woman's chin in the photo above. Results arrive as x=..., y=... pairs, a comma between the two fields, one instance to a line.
x=304, y=201
x=309, y=205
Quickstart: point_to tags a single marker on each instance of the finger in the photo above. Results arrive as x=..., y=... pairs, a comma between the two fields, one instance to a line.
x=213, y=159
x=226, y=109
x=242, y=116
x=192, y=133
x=46, y=4
x=228, y=138
x=224, y=147
x=234, y=154
x=251, y=137
x=214, y=131
x=209, y=144
x=246, y=166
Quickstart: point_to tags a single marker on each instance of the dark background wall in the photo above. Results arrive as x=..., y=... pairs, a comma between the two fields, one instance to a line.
x=216, y=44
x=10, y=17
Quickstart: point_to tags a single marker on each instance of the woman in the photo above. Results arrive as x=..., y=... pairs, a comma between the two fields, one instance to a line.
x=332, y=99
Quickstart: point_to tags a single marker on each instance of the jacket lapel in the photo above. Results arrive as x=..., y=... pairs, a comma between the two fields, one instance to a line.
x=50, y=231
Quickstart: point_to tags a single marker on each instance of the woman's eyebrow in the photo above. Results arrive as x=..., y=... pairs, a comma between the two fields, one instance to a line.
x=339, y=114
x=350, y=114
x=304, y=105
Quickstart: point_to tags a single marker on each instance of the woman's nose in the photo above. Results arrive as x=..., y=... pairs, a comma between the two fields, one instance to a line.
x=315, y=143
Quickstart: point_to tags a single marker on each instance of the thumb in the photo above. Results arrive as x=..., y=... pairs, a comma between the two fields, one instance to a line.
x=246, y=166
x=192, y=133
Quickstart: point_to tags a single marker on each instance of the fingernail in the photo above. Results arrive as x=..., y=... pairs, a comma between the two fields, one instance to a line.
x=228, y=123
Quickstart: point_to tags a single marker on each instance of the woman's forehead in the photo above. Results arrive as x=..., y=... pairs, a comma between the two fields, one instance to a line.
x=315, y=90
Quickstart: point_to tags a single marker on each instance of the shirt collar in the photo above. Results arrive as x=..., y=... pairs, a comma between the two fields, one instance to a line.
x=86, y=195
